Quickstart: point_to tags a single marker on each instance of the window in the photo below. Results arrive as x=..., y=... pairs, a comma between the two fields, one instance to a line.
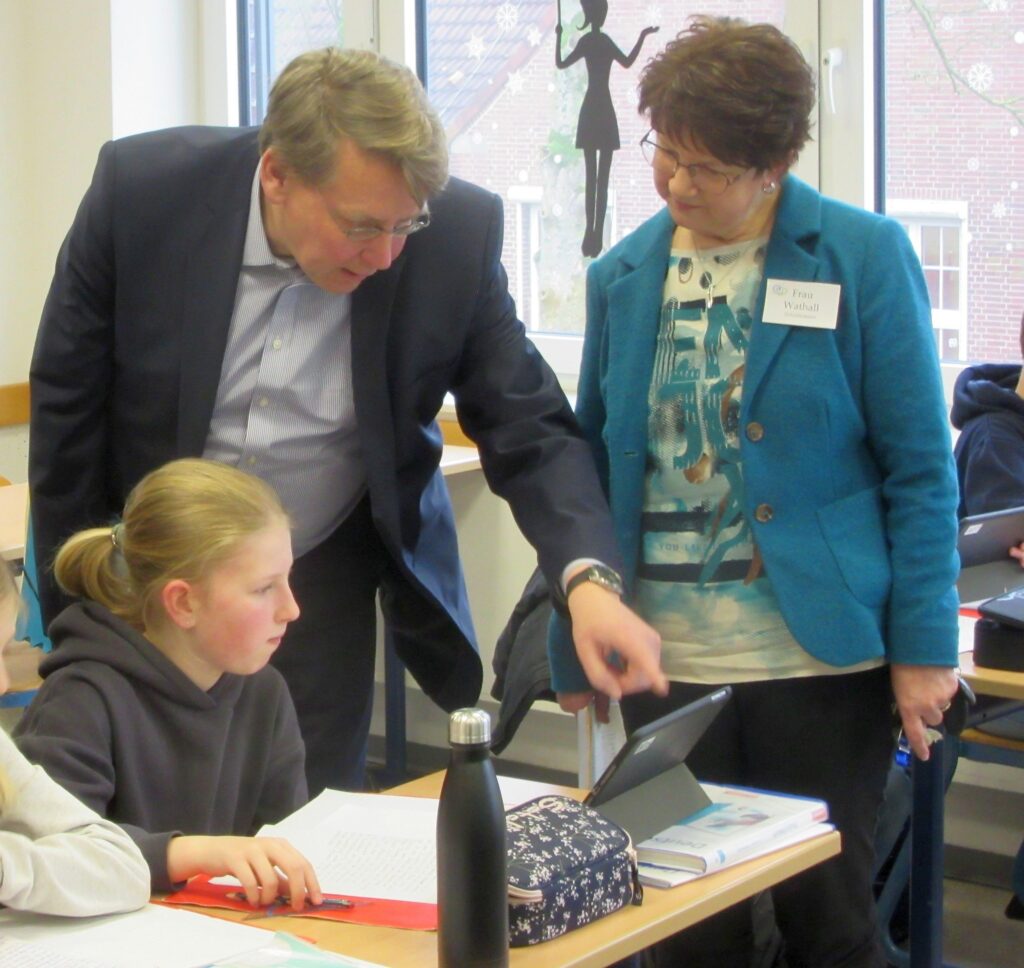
x=271, y=33
x=954, y=153
x=939, y=235
x=513, y=121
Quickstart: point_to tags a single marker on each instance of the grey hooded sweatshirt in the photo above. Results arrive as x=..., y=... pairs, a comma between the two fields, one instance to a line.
x=122, y=728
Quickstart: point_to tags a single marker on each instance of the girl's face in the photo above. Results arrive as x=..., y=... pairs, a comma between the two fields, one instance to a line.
x=239, y=612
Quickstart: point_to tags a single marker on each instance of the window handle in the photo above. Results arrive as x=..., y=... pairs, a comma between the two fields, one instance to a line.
x=833, y=58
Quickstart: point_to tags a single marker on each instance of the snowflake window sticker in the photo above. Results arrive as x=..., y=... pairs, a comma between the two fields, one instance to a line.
x=508, y=17
x=980, y=77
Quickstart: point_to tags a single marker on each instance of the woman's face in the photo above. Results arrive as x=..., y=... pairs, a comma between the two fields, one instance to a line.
x=734, y=213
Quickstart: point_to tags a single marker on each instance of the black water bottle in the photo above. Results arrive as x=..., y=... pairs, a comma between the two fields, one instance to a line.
x=472, y=875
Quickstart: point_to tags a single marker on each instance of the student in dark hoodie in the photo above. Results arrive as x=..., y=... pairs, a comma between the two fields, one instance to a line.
x=158, y=709
x=988, y=410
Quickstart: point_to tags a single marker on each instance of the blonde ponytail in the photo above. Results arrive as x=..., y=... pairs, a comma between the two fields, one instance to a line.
x=90, y=565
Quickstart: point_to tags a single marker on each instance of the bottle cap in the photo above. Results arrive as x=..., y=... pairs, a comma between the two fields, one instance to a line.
x=469, y=727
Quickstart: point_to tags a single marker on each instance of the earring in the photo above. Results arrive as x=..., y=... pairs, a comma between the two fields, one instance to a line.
x=769, y=187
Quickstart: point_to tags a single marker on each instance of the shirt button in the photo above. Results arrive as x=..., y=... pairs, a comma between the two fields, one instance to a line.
x=764, y=513
x=755, y=431
x=276, y=344
x=263, y=401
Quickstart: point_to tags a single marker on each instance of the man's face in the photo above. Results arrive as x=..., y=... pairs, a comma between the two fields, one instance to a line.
x=308, y=223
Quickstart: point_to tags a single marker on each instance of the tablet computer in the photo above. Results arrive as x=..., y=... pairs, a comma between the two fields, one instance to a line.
x=984, y=541
x=647, y=786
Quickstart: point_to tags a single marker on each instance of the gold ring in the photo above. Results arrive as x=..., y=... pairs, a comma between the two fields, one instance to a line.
x=943, y=709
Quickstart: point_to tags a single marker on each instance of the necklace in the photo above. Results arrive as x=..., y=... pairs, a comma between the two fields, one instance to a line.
x=726, y=260
x=707, y=281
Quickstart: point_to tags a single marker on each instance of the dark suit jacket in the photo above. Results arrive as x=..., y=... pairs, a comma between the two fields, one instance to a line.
x=128, y=357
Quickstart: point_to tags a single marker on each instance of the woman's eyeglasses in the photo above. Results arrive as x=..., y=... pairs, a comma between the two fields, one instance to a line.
x=705, y=178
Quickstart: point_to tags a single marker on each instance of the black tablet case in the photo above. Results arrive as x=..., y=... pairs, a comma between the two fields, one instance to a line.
x=648, y=786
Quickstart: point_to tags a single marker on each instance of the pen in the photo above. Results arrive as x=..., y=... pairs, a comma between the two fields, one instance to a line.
x=281, y=902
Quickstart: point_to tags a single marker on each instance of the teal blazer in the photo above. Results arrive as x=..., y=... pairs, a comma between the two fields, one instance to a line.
x=844, y=438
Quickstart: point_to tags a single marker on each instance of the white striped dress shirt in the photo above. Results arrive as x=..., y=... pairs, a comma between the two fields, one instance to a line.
x=284, y=408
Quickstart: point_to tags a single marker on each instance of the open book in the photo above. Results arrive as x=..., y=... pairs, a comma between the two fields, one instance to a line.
x=737, y=821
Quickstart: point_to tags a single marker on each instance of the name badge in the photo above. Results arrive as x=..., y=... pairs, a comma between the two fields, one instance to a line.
x=814, y=304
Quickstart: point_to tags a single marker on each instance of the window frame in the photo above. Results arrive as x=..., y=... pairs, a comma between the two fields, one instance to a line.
x=919, y=213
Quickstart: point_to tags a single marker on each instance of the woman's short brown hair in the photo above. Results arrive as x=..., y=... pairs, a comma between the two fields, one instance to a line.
x=326, y=95
x=741, y=91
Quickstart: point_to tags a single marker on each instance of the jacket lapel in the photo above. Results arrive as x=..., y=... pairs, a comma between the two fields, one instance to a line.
x=211, y=279
x=790, y=256
x=371, y=321
x=634, y=309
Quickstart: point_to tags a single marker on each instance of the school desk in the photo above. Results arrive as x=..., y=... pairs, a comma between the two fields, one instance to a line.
x=600, y=943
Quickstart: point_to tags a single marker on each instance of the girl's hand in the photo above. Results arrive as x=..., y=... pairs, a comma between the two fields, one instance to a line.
x=265, y=867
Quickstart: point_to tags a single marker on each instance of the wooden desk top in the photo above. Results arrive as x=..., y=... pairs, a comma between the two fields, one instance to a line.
x=13, y=520
x=620, y=934
x=456, y=459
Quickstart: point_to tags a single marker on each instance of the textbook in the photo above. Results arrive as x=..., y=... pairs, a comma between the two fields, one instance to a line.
x=654, y=875
x=738, y=820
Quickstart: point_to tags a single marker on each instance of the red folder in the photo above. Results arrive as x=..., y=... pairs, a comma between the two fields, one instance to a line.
x=414, y=915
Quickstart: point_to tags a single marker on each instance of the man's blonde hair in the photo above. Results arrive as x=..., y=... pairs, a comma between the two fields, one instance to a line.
x=324, y=96
x=180, y=521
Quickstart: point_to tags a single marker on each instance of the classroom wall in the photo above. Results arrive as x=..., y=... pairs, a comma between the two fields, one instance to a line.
x=73, y=74
x=55, y=111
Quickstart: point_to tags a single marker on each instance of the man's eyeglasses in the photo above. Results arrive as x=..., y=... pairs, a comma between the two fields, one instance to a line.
x=706, y=179
x=366, y=233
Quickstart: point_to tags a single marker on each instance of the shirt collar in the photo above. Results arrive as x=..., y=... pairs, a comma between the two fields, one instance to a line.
x=257, y=251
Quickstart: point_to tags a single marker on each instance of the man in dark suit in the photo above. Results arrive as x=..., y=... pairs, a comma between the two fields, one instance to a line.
x=297, y=302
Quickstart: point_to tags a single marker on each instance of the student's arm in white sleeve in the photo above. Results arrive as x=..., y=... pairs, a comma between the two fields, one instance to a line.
x=56, y=855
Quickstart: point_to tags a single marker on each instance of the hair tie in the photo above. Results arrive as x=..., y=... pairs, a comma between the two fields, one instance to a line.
x=115, y=535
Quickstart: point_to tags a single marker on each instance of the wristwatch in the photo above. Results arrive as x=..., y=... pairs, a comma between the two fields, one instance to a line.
x=600, y=575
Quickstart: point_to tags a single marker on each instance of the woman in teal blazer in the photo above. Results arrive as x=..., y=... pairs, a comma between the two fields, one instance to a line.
x=761, y=391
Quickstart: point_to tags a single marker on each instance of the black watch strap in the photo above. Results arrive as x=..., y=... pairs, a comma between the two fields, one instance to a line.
x=600, y=575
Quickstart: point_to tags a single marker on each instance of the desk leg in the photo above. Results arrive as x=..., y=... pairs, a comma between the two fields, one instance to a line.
x=926, y=832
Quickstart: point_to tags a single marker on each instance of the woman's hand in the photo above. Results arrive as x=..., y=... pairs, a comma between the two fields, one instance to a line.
x=266, y=867
x=923, y=694
x=1018, y=552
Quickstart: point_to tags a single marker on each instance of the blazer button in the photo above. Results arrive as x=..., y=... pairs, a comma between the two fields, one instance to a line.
x=755, y=431
x=764, y=513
